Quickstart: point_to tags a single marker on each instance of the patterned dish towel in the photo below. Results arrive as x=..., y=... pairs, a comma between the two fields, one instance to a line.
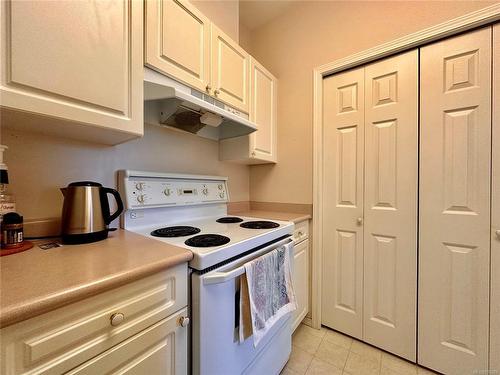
x=266, y=294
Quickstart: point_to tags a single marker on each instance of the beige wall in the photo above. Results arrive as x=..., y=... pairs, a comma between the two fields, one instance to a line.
x=310, y=34
x=39, y=165
x=223, y=13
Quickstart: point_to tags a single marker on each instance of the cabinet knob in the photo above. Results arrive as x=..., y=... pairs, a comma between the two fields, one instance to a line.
x=117, y=319
x=216, y=92
x=300, y=233
x=184, y=321
x=497, y=232
x=359, y=220
x=253, y=153
x=208, y=88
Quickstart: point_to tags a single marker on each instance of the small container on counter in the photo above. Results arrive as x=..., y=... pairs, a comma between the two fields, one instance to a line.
x=12, y=231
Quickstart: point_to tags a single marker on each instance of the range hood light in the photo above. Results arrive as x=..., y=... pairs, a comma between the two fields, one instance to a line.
x=211, y=119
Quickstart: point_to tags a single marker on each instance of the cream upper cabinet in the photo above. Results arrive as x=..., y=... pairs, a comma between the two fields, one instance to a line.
x=74, y=63
x=261, y=146
x=495, y=211
x=455, y=176
x=177, y=41
x=263, y=112
x=230, y=71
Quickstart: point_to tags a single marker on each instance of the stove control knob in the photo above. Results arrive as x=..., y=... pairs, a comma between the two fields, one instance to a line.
x=167, y=192
x=205, y=191
x=220, y=186
x=141, y=198
x=221, y=195
x=140, y=186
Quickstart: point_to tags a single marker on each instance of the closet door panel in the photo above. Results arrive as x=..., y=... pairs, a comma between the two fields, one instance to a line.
x=495, y=213
x=343, y=127
x=455, y=172
x=390, y=212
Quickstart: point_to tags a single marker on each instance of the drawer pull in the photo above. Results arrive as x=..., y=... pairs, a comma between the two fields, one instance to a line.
x=184, y=321
x=117, y=319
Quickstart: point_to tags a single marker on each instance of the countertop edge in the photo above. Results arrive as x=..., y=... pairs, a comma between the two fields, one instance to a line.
x=35, y=307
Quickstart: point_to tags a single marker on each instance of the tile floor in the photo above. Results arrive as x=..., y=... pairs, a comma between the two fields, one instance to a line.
x=325, y=351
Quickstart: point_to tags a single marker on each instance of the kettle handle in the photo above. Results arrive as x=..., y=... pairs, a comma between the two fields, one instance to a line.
x=107, y=217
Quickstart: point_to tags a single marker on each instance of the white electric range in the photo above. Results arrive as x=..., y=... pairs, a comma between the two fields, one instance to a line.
x=191, y=211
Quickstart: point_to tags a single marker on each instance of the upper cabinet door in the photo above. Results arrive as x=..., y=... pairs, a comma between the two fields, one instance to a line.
x=390, y=212
x=263, y=111
x=74, y=60
x=230, y=71
x=178, y=41
x=455, y=176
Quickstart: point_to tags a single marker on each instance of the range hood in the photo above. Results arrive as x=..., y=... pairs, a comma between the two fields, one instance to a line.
x=170, y=103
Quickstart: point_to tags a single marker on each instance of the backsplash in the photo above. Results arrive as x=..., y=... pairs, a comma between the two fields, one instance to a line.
x=40, y=164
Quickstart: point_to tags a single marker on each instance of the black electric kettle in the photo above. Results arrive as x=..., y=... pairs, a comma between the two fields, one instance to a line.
x=86, y=213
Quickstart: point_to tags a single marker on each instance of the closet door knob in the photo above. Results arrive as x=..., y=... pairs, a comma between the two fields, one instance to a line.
x=360, y=221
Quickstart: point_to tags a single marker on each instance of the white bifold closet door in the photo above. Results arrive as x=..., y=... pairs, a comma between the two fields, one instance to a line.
x=343, y=132
x=370, y=123
x=455, y=176
x=390, y=204
x=495, y=211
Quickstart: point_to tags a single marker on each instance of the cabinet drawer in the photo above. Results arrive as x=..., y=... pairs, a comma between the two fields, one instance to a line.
x=159, y=349
x=301, y=231
x=64, y=338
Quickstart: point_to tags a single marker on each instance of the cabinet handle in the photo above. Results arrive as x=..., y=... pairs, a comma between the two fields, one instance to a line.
x=117, y=319
x=208, y=88
x=360, y=221
x=216, y=92
x=184, y=321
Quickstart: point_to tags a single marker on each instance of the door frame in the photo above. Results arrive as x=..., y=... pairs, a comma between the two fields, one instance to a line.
x=482, y=17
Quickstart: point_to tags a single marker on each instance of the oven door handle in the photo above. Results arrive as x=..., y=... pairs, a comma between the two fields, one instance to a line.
x=222, y=277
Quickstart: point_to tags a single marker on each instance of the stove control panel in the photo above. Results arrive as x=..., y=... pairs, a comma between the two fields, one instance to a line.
x=140, y=191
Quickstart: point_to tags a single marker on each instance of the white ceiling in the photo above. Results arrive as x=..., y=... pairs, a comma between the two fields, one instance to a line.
x=256, y=13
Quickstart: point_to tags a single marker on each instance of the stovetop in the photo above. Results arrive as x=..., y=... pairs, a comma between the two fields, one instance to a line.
x=240, y=239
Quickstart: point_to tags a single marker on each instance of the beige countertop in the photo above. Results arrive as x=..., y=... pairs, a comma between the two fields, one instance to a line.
x=286, y=216
x=37, y=281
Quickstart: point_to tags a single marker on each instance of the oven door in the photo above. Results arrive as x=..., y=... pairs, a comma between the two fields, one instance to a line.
x=215, y=312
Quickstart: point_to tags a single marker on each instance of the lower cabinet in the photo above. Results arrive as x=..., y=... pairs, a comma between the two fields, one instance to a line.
x=301, y=272
x=137, y=327
x=159, y=349
x=301, y=281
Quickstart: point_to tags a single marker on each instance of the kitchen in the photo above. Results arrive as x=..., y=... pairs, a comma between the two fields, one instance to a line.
x=45, y=155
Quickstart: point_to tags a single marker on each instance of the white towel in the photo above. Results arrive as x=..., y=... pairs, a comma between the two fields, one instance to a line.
x=267, y=290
